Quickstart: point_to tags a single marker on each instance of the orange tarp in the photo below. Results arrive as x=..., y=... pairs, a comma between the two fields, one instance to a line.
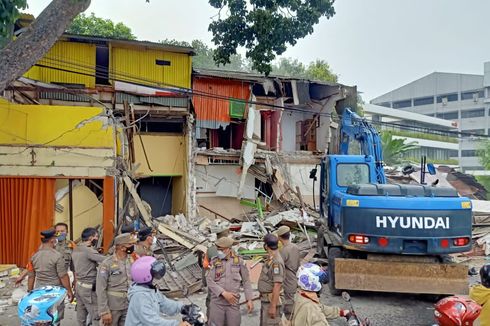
x=211, y=100
x=26, y=208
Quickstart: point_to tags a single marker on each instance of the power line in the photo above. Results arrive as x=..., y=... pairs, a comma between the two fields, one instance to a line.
x=113, y=74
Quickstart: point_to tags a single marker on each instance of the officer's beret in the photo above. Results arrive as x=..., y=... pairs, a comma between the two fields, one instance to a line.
x=271, y=241
x=48, y=234
x=125, y=238
x=282, y=230
x=144, y=233
x=225, y=242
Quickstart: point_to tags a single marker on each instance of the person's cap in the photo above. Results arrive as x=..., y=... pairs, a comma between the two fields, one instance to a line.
x=48, y=234
x=271, y=241
x=125, y=238
x=225, y=242
x=282, y=230
x=143, y=233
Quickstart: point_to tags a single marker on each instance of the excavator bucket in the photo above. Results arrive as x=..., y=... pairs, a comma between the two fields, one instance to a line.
x=401, y=277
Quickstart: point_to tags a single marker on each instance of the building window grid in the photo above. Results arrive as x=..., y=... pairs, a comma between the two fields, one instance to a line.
x=468, y=153
x=474, y=113
x=402, y=104
x=453, y=115
x=471, y=95
x=450, y=97
x=423, y=101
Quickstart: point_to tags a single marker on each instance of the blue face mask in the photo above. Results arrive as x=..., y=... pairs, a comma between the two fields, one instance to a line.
x=62, y=236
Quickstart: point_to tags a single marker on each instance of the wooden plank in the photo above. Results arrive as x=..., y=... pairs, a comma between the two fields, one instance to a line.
x=161, y=228
x=401, y=277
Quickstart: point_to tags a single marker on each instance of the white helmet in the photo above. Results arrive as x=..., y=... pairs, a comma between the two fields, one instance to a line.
x=309, y=276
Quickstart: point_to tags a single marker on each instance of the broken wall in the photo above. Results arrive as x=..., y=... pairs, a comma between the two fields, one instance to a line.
x=217, y=190
x=299, y=175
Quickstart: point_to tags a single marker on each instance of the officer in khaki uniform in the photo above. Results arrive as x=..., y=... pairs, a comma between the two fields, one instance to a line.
x=113, y=281
x=47, y=267
x=146, y=238
x=64, y=246
x=85, y=261
x=226, y=275
x=291, y=257
x=270, y=283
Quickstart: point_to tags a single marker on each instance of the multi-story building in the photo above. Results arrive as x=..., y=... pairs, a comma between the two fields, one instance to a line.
x=463, y=98
x=435, y=137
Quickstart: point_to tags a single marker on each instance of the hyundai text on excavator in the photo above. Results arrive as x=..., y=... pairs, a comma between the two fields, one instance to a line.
x=387, y=237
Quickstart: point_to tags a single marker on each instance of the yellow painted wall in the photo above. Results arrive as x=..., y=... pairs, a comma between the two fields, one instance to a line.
x=138, y=65
x=166, y=154
x=65, y=57
x=53, y=126
x=178, y=195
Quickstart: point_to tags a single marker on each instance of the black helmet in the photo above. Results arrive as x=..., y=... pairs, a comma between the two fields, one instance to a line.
x=485, y=275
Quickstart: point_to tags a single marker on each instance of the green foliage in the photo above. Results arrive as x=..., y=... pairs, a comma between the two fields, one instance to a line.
x=316, y=70
x=393, y=148
x=484, y=180
x=204, y=56
x=264, y=27
x=96, y=26
x=422, y=135
x=484, y=154
x=320, y=70
x=9, y=12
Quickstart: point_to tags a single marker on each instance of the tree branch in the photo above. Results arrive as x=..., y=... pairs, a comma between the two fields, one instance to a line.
x=19, y=55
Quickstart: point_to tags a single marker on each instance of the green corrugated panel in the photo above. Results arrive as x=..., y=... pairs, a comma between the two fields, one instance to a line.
x=237, y=109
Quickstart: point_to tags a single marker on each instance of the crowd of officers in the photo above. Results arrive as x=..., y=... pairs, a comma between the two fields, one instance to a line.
x=100, y=283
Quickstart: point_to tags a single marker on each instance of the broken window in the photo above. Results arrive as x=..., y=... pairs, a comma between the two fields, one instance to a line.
x=306, y=135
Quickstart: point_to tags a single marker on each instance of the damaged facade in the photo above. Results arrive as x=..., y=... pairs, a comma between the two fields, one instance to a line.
x=260, y=137
x=133, y=92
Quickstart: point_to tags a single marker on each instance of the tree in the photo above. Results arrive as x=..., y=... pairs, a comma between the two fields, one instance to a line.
x=204, y=56
x=10, y=12
x=21, y=54
x=263, y=27
x=320, y=70
x=394, y=148
x=484, y=154
x=95, y=26
x=289, y=67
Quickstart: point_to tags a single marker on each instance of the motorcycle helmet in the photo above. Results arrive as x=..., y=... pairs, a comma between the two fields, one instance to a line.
x=485, y=275
x=147, y=268
x=456, y=311
x=40, y=306
x=310, y=277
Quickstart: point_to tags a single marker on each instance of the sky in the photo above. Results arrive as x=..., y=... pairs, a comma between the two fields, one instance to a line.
x=378, y=45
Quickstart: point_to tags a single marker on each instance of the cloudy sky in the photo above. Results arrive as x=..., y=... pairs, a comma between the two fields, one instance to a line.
x=378, y=45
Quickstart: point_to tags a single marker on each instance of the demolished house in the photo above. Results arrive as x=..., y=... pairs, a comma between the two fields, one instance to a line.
x=259, y=137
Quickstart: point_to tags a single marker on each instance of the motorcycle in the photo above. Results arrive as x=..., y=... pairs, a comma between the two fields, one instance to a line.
x=194, y=315
x=352, y=319
x=40, y=306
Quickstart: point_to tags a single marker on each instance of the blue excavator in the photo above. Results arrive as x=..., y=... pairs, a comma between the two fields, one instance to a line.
x=386, y=237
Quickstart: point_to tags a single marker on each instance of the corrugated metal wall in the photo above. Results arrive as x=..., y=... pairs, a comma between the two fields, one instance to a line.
x=26, y=209
x=66, y=57
x=139, y=66
x=214, y=112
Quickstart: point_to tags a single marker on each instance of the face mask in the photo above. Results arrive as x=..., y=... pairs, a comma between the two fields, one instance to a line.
x=94, y=242
x=62, y=236
x=130, y=250
x=221, y=254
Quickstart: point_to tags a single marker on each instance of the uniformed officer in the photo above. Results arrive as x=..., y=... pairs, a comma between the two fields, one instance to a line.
x=291, y=257
x=211, y=253
x=64, y=246
x=270, y=283
x=85, y=261
x=146, y=238
x=47, y=267
x=113, y=281
x=225, y=277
